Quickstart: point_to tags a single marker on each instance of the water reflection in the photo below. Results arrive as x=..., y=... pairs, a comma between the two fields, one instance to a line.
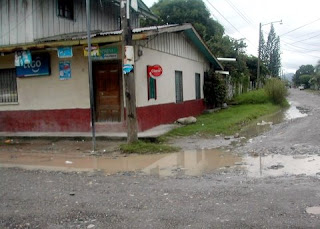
x=193, y=163
x=264, y=123
x=280, y=165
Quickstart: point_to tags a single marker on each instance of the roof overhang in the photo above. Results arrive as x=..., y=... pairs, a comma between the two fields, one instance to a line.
x=116, y=36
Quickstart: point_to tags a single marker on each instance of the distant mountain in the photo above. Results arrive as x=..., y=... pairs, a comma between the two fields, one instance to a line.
x=288, y=76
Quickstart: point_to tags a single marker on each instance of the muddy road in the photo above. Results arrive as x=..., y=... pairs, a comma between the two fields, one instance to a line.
x=266, y=181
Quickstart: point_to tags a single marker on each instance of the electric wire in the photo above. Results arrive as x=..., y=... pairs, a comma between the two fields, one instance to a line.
x=227, y=20
x=300, y=27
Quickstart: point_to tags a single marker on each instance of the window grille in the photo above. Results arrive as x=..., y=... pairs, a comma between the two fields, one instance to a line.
x=65, y=9
x=8, y=86
x=179, y=86
x=197, y=84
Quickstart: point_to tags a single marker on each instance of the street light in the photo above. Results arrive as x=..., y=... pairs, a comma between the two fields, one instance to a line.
x=259, y=49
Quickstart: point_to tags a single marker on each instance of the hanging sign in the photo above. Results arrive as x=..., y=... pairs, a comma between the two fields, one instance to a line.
x=64, y=70
x=39, y=66
x=154, y=71
x=22, y=57
x=65, y=52
x=95, y=51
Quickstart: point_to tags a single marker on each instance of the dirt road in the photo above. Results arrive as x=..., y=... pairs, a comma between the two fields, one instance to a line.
x=227, y=197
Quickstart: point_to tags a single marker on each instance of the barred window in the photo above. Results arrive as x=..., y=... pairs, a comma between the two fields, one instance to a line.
x=197, y=84
x=179, y=87
x=8, y=86
x=65, y=9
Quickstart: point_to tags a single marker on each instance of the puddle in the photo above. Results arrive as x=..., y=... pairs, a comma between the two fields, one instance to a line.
x=313, y=210
x=264, y=123
x=281, y=165
x=193, y=163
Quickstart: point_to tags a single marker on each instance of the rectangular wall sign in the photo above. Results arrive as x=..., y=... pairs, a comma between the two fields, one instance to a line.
x=65, y=52
x=39, y=66
x=109, y=53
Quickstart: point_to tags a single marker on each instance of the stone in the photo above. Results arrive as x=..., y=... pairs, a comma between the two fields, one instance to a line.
x=90, y=226
x=227, y=138
x=237, y=135
x=187, y=120
x=224, y=106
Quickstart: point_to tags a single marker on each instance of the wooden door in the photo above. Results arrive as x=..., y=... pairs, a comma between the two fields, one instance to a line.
x=107, y=92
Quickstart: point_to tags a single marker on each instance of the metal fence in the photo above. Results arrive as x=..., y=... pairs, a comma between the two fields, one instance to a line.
x=8, y=86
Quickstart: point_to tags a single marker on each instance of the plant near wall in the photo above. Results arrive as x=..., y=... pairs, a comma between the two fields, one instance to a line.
x=214, y=89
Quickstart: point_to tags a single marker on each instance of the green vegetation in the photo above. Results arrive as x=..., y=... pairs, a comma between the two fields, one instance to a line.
x=226, y=121
x=143, y=147
x=214, y=90
x=276, y=91
x=252, y=97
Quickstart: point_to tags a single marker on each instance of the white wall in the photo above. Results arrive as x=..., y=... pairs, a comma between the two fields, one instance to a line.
x=166, y=82
x=49, y=92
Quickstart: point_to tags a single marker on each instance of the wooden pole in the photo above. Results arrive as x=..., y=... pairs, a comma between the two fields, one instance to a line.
x=130, y=91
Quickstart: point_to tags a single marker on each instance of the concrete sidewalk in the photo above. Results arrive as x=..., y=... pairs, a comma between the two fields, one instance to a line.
x=151, y=133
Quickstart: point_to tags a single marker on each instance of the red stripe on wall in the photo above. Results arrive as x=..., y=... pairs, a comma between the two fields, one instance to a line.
x=151, y=116
x=72, y=120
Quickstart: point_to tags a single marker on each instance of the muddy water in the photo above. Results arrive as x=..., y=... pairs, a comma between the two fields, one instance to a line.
x=264, y=123
x=192, y=163
x=281, y=165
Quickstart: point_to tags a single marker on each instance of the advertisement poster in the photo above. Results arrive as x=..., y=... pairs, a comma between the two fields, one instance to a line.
x=64, y=70
x=39, y=66
x=65, y=52
x=22, y=58
x=95, y=51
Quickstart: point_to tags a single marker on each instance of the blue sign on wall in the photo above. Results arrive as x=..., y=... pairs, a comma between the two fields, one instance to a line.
x=40, y=66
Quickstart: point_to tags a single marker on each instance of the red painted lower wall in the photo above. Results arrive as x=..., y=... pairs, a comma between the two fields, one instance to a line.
x=151, y=116
x=72, y=120
x=78, y=120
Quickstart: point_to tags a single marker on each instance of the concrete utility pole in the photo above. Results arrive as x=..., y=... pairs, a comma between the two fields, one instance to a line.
x=130, y=90
x=92, y=107
x=259, y=56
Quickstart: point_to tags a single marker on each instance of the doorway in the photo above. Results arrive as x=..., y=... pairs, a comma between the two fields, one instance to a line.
x=107, y=81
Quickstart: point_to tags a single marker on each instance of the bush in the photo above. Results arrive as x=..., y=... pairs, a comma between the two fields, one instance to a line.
x=214, y=90
x=277, y=91
x=252, y=97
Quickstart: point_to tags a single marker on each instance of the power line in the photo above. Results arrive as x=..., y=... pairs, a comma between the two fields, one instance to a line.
x=300, y=27
x=238, y=12
x=227, y=20
x=286, y=43
x=306, y=39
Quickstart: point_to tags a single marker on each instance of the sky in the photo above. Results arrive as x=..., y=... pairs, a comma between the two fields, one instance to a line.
x=299, y=32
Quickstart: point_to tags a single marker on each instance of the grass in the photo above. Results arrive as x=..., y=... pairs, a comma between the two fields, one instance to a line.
x=253, y=97
x=143, y=147
x=226, y=121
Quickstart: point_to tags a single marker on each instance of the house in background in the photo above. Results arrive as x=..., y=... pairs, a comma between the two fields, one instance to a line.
x=51, y=94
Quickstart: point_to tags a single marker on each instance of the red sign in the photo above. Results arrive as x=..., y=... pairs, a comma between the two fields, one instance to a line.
x=154, y=71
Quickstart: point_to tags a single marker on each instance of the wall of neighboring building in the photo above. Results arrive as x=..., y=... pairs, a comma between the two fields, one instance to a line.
x=16, y=22
x=177, y=55
x=46, y=103
x=31, y=20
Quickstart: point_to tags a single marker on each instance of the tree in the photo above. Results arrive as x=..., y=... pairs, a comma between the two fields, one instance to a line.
x=271, y=53
x=186, y=11
x=303, y=70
